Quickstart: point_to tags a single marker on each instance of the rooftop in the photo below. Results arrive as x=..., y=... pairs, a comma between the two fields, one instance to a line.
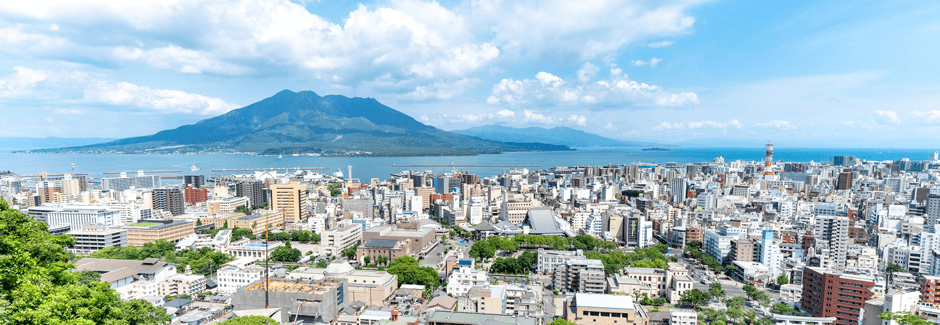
x=380, y=243
x=591, y=300
x=460, y=317
x=317, y=288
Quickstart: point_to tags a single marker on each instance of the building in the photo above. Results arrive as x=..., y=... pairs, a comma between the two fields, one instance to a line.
x=845, y=181
x=148, y=231
x=741, y=250
x=835, y=232
x=376, y=288
x=465, y=277
x=514, y=211
x=450, y=317
x=829, y=293
x=127, y=182
x=132, y=279
x=587, y=308
x=238, y=274
x=580, y=275
x=548, y=259
x=196, y=181
x=390, y=248
x=683, y=317
x=78, y=217
x=169, y=199
x=930, y=290
x=182, y=284
x=334, y=241
x=195, y=195
x=258, y=220
x=254, y=249
x=307, y=301
x=253, y=190
x=752, y=273
x=226, y=205
x=94, y=238
x=933, y=209
x=421, y=239
x=291, y=198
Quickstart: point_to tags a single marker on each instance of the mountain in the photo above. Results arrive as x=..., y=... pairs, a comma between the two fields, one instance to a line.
x=306, y=123
x=557, y=135
x=23, y=143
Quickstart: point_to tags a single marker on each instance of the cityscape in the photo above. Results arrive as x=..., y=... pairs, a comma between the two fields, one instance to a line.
x=469, y=162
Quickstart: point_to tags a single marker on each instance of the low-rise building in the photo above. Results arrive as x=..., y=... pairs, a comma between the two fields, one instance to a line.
x=683, y=317
x=148, y=231
x=226, y=205
x=450, y=317
x=238, y=274
x=580, y=275
x=548, y=259
x=464, y=278
x=258, y=220
x=589, y=308
x=256, y=249
x=334, y=241
x=132, y=279
x=183, y=284
x=307, y=301
x=751, y=272
x=421, y=239
x=390, y=248
x=96, y=237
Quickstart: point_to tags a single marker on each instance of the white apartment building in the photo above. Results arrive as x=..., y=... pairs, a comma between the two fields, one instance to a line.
x=462, y=279
x=183, y=284
x=96, y=237
x=548, y=259
x=334, y=241
x=77, y=217
x=683, y=317
x=238, y=274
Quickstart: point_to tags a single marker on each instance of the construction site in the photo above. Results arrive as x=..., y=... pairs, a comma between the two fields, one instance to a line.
x=303, y=301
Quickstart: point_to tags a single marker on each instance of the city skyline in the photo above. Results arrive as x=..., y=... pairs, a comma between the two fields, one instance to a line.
x=676, y=72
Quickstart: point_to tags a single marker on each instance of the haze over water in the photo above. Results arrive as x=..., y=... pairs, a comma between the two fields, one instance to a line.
x=381, y=167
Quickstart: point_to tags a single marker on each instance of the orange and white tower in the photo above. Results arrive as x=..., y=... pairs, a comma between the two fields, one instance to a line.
x=768, y=160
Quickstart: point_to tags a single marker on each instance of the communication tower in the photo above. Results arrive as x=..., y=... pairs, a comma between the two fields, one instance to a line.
x=768, y=159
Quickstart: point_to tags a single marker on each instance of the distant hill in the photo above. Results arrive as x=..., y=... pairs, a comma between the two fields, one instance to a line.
x=557, y=135
x=304, y=122
x=24, y=143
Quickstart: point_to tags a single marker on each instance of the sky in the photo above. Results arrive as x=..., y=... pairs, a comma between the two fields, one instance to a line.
x=798, y=72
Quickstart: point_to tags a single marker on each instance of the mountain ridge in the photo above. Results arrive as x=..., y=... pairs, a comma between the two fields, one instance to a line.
x=307, y=123
x=557, y=135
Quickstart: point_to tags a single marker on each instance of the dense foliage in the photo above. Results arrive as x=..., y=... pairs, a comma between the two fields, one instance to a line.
x=755, y=294
x=614, y=261
x=783, y=309
x=285, y=253
x=350, y=252
x=562, y=321
x=715, y=290
x=693, y=250
x=903, y=318
x=487, y=248
x=525, y=263
x=409, y=272
x=695, y=297
x=202, y=261
x=37, y=287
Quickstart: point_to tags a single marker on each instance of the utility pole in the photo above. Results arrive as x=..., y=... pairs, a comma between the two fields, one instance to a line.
x=266, y=305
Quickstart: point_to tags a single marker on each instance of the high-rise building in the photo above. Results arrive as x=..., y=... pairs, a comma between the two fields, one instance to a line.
x=253, y=190
x=835, y=232
x=126, y=182
x=195, y=195
x=169, y=199
x=677, y=187
x=47, y=191
x=845, y=180
x=291, y=198
x=933, y=209
x=828, y=293
x=196, y=181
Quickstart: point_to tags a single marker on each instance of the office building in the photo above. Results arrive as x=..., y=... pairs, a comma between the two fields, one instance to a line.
x=290, y=198
x=77, y=217
x=587, y=308
x=226, y=205
x=96, y=237
x=127, y=182
x=334, y=241
x=845, y=181
x=148, y=231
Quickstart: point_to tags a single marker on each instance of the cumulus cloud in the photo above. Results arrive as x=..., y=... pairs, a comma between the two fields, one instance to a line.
x=538, y=118
x=547, y=89
x=577, y=119
x=587, y=72
x=887, y=117
x=932, y=116
x=659, y=44
x=71, y=87
x=65, y=111
x=652, y=63
x=440, y=90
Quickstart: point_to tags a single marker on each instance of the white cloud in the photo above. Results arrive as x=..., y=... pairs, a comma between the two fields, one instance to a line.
x=64, y=111
x=534, y=117
x=181, y=60
x=587, y=72
x=548, y=89
x=70, y=87
x=506, y=113
x=783, y=125
x=932, y=116
x=652, y=63
x=698, y=125
x=576, y=119
x=887, y=117
x=660, y=44
x=610, y=127
x=668, y=126
x=441, y=90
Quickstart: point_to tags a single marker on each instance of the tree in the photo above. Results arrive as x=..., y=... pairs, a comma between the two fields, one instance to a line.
x=350, y=252
x=367, y=259
x=782, y=309
x=694, y=297
x=250, y=320
x=482, y=249
x=735, y=302
x=903, y=318
x=782, y=279
x=695, y=244
x=37, y=286
x=715, y=290
x=562, y=321
x=285, y=254
x=198, y=222
x=381, y=259
x=892, y=269
x=88, y=277
x=409, y=272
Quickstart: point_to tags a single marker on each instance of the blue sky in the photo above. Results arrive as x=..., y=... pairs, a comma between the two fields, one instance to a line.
x=796, y=72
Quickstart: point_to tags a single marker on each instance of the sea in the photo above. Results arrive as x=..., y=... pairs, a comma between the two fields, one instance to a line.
x=382, y=167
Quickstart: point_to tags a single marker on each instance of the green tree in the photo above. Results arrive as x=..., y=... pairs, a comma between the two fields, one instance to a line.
x=38, y=287
x=285, y=253
x=782, y=309
x=198, y=222
x=88, y=277
x=350, y=253
x=382, y=260
x=694, y=297
x=483, y=249
x=715, y=290
x=409, y=272
x=735, y=302
x=782, y=279
x=903, y=318
x=695, y=244
x=367, y=259
x=562, y=321
x=250, y=320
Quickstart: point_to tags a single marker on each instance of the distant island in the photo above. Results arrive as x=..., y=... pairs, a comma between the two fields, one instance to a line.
x=656, y=149
x=304, y=123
